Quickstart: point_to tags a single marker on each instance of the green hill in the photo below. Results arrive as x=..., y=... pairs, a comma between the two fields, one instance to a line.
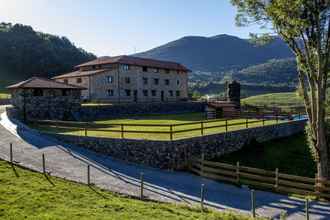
x=25, y=53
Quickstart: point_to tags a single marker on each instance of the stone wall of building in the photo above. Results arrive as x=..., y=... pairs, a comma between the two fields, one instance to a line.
x=51, y=105
x=91, y=113
x=176, y=154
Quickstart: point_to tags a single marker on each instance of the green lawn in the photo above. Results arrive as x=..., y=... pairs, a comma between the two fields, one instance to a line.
x=103, y=128
x=4, y=95
x=29, y=195
x=283, y=100
x=290, y=155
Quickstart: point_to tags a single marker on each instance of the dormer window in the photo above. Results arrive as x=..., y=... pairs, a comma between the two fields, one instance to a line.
x=109, y=79
x=167, y=70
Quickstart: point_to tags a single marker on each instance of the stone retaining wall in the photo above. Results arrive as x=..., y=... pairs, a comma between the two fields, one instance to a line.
x=176, y=154
x=90, y=113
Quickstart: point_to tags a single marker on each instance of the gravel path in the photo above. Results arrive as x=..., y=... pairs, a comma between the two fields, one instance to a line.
x=70, y=162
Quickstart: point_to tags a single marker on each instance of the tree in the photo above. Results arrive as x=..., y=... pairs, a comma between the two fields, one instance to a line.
x=304, y=25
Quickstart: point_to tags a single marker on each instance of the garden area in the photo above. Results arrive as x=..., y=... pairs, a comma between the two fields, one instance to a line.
x=152, y=127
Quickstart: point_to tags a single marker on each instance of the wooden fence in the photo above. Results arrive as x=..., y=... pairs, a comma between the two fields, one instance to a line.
x=170, y=131
x=260, y=178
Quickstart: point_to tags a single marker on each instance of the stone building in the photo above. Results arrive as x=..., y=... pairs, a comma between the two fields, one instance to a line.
x=130, y=79
x=39, y=98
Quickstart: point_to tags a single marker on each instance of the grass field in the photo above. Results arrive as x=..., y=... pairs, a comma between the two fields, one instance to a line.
x=103, y=128
x=28, y=195
x=4, y=95
x=290, y=155
x=282, y=100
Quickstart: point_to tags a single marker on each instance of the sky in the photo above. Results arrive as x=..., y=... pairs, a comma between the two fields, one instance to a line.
x=115, y=27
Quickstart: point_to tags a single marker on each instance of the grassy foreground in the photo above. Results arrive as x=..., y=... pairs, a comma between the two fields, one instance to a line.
x=29, y=195
x=290, y=155
x=4, y=95
x=103, y=128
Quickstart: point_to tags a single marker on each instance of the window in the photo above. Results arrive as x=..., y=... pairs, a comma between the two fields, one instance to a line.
x=178, y=82
x=65, y=92
x=153, y=92
x=170, y=93
x=38, y=92
x=126, y=67
x=127, y=80
x=178, y=72
x=79, y=80
x=156, y=70
x=167, y=82
x=177, y=93
x=128, y=92
x=110, y=92
x=156, y=81
x=94, y=67
x=145, y=80
x=145, y=92
x=167, y=71
x=66, y=81
x=109, y=79
x=145, y=69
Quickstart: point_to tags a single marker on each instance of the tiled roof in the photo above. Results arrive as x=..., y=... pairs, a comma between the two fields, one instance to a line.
x=135, y=61
x=38, y=82
x=79, y=73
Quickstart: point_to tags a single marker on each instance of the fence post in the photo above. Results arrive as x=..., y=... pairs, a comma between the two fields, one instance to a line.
x=276, y=177
x=202, y=163
x=171, y=132
x=142, y=185
x=226, y=125
x=202, y=196
x=122, y=130
x=202, y=128
x=253, y=203
x=11, y=153
x=263, y=119
x=237, y=172
x=307, y=209
x=246, y=122
x=88, y=175
x=43, y=164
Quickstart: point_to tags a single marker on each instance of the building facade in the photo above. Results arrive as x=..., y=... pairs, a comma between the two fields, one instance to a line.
x=130, y=79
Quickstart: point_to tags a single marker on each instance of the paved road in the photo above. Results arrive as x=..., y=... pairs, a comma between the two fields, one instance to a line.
x=70, y=162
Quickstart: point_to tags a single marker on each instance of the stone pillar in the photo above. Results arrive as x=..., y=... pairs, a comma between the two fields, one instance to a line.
x=233, y=93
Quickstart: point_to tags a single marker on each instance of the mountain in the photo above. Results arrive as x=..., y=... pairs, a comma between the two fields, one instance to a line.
x=219, y=53
x=25, y=53
x=282, y=71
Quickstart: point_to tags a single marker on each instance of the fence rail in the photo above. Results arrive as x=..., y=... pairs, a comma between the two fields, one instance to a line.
x=170, y=131
x=260, y=178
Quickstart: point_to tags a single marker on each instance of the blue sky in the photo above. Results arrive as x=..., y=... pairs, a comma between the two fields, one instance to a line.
x=113, y=27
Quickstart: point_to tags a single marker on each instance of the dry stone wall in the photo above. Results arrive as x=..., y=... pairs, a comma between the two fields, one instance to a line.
x=176, y=154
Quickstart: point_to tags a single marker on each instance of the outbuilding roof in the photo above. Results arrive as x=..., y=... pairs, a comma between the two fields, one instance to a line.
x=79, y=73
x=42, y=83
x=138, y=61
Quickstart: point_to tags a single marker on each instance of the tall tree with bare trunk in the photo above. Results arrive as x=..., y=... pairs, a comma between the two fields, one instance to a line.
x=305, y=26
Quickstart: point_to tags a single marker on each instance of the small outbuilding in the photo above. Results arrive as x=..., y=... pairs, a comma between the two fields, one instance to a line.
x=41, y=98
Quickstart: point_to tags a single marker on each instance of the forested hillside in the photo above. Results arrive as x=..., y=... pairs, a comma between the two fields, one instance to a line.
x=25, y=53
